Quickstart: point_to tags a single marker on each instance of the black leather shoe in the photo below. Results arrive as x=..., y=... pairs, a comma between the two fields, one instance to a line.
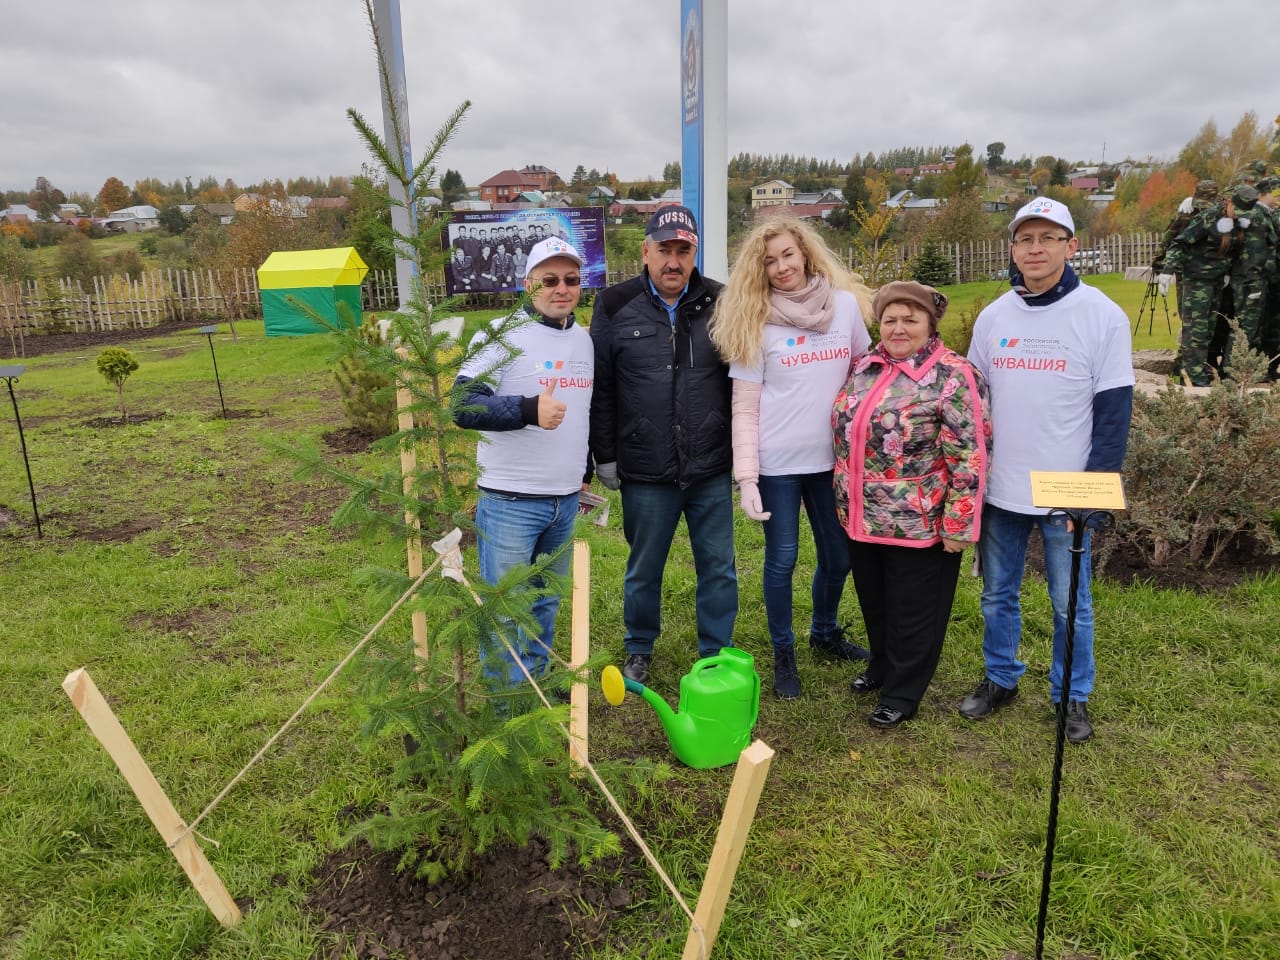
x=885, y=717
x=637, y=667
x=986, y=699
x=863, y=683
x=1078, y=728
x=837, y=648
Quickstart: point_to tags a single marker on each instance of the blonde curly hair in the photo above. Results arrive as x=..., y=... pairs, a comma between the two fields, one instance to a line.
x=742, y=309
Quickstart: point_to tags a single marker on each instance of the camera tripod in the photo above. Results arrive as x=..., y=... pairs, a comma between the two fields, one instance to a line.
x=1149, y=303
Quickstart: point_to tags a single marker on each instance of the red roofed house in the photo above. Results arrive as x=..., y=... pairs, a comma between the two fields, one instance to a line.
x=506, y=186
x=1084, y=183
x=542, y=176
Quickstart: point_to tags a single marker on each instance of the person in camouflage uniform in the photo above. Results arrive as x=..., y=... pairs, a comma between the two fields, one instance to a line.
x=1254, y=263
x=1269, y=334
x=1205, y=194
x=1201, y=255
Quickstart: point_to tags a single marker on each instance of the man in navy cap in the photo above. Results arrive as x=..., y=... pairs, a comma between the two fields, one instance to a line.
x=660, y=431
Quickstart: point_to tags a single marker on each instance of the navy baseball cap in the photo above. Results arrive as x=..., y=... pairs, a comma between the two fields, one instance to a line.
x=672, y=222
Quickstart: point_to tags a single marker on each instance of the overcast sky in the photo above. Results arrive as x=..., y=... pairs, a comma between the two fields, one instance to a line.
x=258, y=89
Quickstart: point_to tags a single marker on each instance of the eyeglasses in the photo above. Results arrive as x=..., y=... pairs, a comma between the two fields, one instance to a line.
x=1026, y=243
x=551, y=283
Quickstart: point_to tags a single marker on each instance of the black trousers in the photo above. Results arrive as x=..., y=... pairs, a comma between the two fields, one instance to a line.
x=905, y=594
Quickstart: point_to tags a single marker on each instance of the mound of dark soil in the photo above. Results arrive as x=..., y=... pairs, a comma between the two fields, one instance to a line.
x=35, y=345
x=131, y=421
x=512, y=906
x=1239, y=562
x=348, y=440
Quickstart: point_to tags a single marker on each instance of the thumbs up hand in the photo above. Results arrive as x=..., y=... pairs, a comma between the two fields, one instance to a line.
x=550, y=410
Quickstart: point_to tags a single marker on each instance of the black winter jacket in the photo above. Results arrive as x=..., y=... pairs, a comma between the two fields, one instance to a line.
x=660, y=407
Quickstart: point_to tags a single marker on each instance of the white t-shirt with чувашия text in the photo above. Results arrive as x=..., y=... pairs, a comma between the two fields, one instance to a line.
x=533, y=460
x=1043, y=366
x=800, y=373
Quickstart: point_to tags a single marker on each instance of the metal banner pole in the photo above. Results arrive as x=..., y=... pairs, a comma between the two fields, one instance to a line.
x=1079, y=521
x=10, y=374
x=209, y=331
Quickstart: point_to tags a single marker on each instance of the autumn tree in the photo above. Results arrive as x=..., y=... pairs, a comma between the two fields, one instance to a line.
x=452, y=187
x=961, y=220
x=114, y=195
x=45, y=198
x=16, y=263
x=967, y=176
x=995, y=155
x=857, y=195
x=671, y=172
x=76, y=258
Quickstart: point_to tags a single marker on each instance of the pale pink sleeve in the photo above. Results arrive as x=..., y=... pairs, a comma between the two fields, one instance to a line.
x=746, y=430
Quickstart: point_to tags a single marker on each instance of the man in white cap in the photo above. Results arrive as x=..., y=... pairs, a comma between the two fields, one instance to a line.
x=1057, y=356
x=530, y=396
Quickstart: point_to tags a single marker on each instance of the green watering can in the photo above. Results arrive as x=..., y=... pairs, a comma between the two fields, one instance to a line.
x=719, y=702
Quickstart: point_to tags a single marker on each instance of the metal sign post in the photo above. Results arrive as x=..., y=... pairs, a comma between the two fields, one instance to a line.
x=209, y=331
x=10, y=374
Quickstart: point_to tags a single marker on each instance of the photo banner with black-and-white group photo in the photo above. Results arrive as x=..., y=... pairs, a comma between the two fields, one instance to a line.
x=487, y=249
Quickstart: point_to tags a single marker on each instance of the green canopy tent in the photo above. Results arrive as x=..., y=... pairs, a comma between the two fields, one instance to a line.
x=318, y=279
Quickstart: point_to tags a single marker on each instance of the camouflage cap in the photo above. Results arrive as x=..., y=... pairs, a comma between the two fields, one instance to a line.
x=1244, y=196
x=1268, y=184
x=1206, y=189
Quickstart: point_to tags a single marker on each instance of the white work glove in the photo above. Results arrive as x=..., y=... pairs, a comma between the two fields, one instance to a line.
x=752, y=505
x=1187, y=205
x=1226, y=225
x=1164, y=281
x=1244, y=222
x=607, y=473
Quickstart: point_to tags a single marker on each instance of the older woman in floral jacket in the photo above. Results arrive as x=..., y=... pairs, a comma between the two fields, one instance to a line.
x=912, y=438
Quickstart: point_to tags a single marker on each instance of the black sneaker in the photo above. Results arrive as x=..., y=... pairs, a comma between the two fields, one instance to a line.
x=637, y=667
x=837, y=648
x=986, y=699
x=1079, y=729
x=786, y=679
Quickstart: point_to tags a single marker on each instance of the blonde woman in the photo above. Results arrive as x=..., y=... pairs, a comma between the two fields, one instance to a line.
x=789, y=324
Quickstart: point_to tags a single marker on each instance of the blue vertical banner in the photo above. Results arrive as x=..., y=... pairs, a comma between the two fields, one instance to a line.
x=692, y=110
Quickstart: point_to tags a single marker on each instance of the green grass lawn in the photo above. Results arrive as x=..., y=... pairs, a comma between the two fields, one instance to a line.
x=103, y=247
x=203, y=588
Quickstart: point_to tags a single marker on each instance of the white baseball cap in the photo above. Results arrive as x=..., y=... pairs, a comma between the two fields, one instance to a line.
x=547, y=249
x=1043, y=208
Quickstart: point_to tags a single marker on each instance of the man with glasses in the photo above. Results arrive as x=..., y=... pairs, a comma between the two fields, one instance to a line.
x=530, y=396
x=1057, y=357
x=660, y=430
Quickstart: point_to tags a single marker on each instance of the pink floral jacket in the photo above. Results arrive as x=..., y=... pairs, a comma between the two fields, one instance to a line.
x=912, y=440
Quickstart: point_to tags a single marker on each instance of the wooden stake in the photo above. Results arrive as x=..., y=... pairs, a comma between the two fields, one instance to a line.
x=104, y=725
x=413, y=546
x=581, y=650
x=739, y=812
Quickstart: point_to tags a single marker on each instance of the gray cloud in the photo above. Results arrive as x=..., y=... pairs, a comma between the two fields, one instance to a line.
x=255, y=90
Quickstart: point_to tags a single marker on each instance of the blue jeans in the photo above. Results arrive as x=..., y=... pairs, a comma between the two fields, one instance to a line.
x=650, y=513
x=1003, y=549
x=782, y=497
x=513, y=532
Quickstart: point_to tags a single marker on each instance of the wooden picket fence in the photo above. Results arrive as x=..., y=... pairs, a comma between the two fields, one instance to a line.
x=989, y=259
x=159, y=296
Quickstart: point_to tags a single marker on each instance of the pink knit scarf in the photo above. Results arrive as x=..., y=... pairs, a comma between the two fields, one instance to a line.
x=813, y=307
